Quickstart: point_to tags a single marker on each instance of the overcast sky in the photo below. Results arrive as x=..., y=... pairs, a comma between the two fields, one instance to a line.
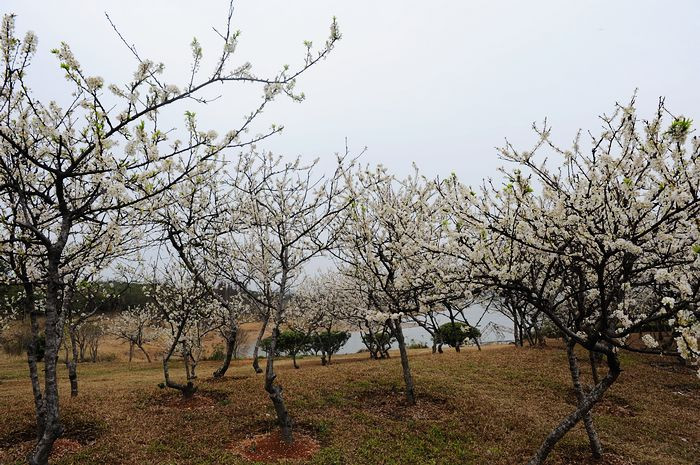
x=439, y=83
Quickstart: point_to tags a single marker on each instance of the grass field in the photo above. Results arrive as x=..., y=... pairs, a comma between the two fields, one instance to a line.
x=488, y=407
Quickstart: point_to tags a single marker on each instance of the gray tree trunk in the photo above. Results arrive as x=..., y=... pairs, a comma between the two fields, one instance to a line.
x=52, y=428
x=72, y=365
x=230, y=347
x=32, y=360
x=148, y=357
x=593, y=439
x=275, y=390
x=93, y=353
x=594, y=366
x=189, y=389
x=81, y=345
x=193, y=367
x=407, y=377
x=258, y=340
x=570, y=421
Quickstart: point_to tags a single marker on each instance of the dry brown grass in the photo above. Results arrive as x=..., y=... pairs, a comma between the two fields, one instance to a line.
x=489, y=407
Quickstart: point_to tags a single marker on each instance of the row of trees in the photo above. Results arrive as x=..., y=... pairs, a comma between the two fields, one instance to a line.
x=606, y=247
x=79, y=180
x=599, y=243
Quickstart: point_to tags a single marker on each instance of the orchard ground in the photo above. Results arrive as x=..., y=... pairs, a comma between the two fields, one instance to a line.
x=488, y=407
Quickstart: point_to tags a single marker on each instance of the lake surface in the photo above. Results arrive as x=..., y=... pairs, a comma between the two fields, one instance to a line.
x=416, y=334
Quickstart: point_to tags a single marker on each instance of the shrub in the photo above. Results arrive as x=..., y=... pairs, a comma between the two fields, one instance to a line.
x=289, y=342
x=454, y=334
x=328, y=343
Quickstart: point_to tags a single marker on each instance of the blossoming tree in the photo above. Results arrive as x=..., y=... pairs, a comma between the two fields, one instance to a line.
x=387, y=247
x=135, y=326
x=322, y=309
x=83, y=298
x=185, y=316
x=74, y=176
x=228, y=318
x=607, y=246
x=256, y=228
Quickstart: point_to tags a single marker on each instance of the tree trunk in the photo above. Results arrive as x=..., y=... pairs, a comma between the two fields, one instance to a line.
x=593, y=439
x=261, y=333
x=476, y=341
x=148, y=357
x=66, y=357
x=34, y=369
x=594, y=366
x=457, y=348
x=384, y=353
x=588, y=401
x=294, y=360
x=73, y=366
x=131, y=351
x=532, y=342
x=539, y=338
x=439, y=348
x=186, y=359
x=187, y=390
x=52, y=428
x=407, y=377
x=275, y=390
x=230, y=347
x=193, y=367
x=81, y=344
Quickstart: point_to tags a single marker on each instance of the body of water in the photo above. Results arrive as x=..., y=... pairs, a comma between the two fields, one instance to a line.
x=416, y=334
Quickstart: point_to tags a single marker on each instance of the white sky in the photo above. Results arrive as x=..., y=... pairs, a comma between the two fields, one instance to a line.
x=439, y=83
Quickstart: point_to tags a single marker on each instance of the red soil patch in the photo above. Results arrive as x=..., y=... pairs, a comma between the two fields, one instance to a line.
x=270, y=447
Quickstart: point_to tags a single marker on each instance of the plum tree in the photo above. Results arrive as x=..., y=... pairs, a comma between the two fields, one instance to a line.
x=71, y=192
x=607, y=246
